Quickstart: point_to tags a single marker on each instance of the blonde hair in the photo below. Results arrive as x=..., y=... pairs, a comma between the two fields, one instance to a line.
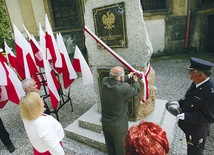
x=31, y=106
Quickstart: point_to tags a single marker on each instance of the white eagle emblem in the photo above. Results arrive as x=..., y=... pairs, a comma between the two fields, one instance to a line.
x=108, y=20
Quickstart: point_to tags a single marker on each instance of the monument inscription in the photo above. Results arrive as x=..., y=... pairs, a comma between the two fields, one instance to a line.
x=110, y=26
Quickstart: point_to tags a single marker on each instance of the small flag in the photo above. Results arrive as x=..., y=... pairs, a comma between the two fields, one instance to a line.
x=80, y=65
x=52, y=47
x=68, y=72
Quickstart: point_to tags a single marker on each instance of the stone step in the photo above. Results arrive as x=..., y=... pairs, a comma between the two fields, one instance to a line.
x=91, y=120
x=87, y=128
x=88, y=137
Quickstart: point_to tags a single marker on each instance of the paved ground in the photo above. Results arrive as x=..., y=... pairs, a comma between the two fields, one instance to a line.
x=171, y=81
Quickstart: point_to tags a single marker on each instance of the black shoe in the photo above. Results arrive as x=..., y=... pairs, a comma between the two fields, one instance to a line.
x=11, y=148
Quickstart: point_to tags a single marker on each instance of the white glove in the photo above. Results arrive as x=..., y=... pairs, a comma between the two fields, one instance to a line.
x=175, y=103
x=181, y=116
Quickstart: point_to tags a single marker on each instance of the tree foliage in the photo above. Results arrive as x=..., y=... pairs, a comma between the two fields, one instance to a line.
x=5, y=28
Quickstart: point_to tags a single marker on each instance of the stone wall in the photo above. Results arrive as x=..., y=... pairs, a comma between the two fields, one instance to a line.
x=175, y=34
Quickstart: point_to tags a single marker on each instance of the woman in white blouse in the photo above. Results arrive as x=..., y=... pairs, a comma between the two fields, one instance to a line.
x=44, y=132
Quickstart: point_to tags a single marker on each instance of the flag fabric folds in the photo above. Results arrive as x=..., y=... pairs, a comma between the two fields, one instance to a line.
x=145, y=82
x=37, y=55
x=4, y=97
x=52, y=47
x=53, y=84
x=12, y=61
x=25, y=54
x=68, y=73
x=144, y=77
x=11, y=83
x=80, y=65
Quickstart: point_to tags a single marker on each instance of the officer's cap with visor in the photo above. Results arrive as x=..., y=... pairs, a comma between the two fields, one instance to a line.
x=199, y=64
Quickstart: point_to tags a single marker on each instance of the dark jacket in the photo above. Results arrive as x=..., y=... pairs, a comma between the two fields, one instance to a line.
x=114, y=102
x=198, y=106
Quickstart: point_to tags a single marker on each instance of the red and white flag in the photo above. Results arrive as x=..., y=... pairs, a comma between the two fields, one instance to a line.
x=13, y=85
x=43, y=43
x=2, y=58
x=68, y=73
x=52, y=47
x=144, y=77
x=3, y=82
x=13, y=62
x=21, y=50
x=53, y=84
x=37, y=55
x=4, y=74
x=25, y=51
x=3, y=96
x=80, y=65
x=145, y=81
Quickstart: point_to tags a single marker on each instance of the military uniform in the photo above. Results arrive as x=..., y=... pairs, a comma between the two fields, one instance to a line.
x=198, y=108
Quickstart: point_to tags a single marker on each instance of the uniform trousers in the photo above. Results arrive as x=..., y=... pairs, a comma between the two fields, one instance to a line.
x=115, y=143
x=4, y=135
x=195, y=145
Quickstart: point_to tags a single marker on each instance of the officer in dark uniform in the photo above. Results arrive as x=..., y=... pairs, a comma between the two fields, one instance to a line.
x=197, y=106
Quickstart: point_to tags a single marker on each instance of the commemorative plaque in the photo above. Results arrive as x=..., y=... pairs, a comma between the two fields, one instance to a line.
x=110, y=26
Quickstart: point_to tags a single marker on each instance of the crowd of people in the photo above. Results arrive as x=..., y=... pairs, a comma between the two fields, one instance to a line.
x=195, y=113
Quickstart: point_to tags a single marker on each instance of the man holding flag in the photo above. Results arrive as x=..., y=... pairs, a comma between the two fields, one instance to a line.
x=115, y=95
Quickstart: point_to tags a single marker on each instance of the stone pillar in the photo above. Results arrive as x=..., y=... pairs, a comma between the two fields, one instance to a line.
x=137, y=52
x=146, y=108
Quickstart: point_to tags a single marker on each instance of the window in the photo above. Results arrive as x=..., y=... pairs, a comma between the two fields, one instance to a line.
x=154, y=5
x=65, y=13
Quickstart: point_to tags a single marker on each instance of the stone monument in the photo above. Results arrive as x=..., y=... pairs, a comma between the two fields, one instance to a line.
x=120, y=24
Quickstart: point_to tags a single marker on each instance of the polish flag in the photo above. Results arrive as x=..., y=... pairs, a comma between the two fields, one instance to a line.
x=3, y=82
x=68, y=72
x=53, y=84
x=25, y=53
x=145, y=81
x=80, y=65
x=43, y=43
x=13, y=84
x=4, y=73
x=12, y=60
x=2, y=58
x=35, y=49
x=3, y=96
x=52, y=47
x=20, y=51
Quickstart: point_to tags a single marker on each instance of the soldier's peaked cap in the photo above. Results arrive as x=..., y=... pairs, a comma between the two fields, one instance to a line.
x=200, y=64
